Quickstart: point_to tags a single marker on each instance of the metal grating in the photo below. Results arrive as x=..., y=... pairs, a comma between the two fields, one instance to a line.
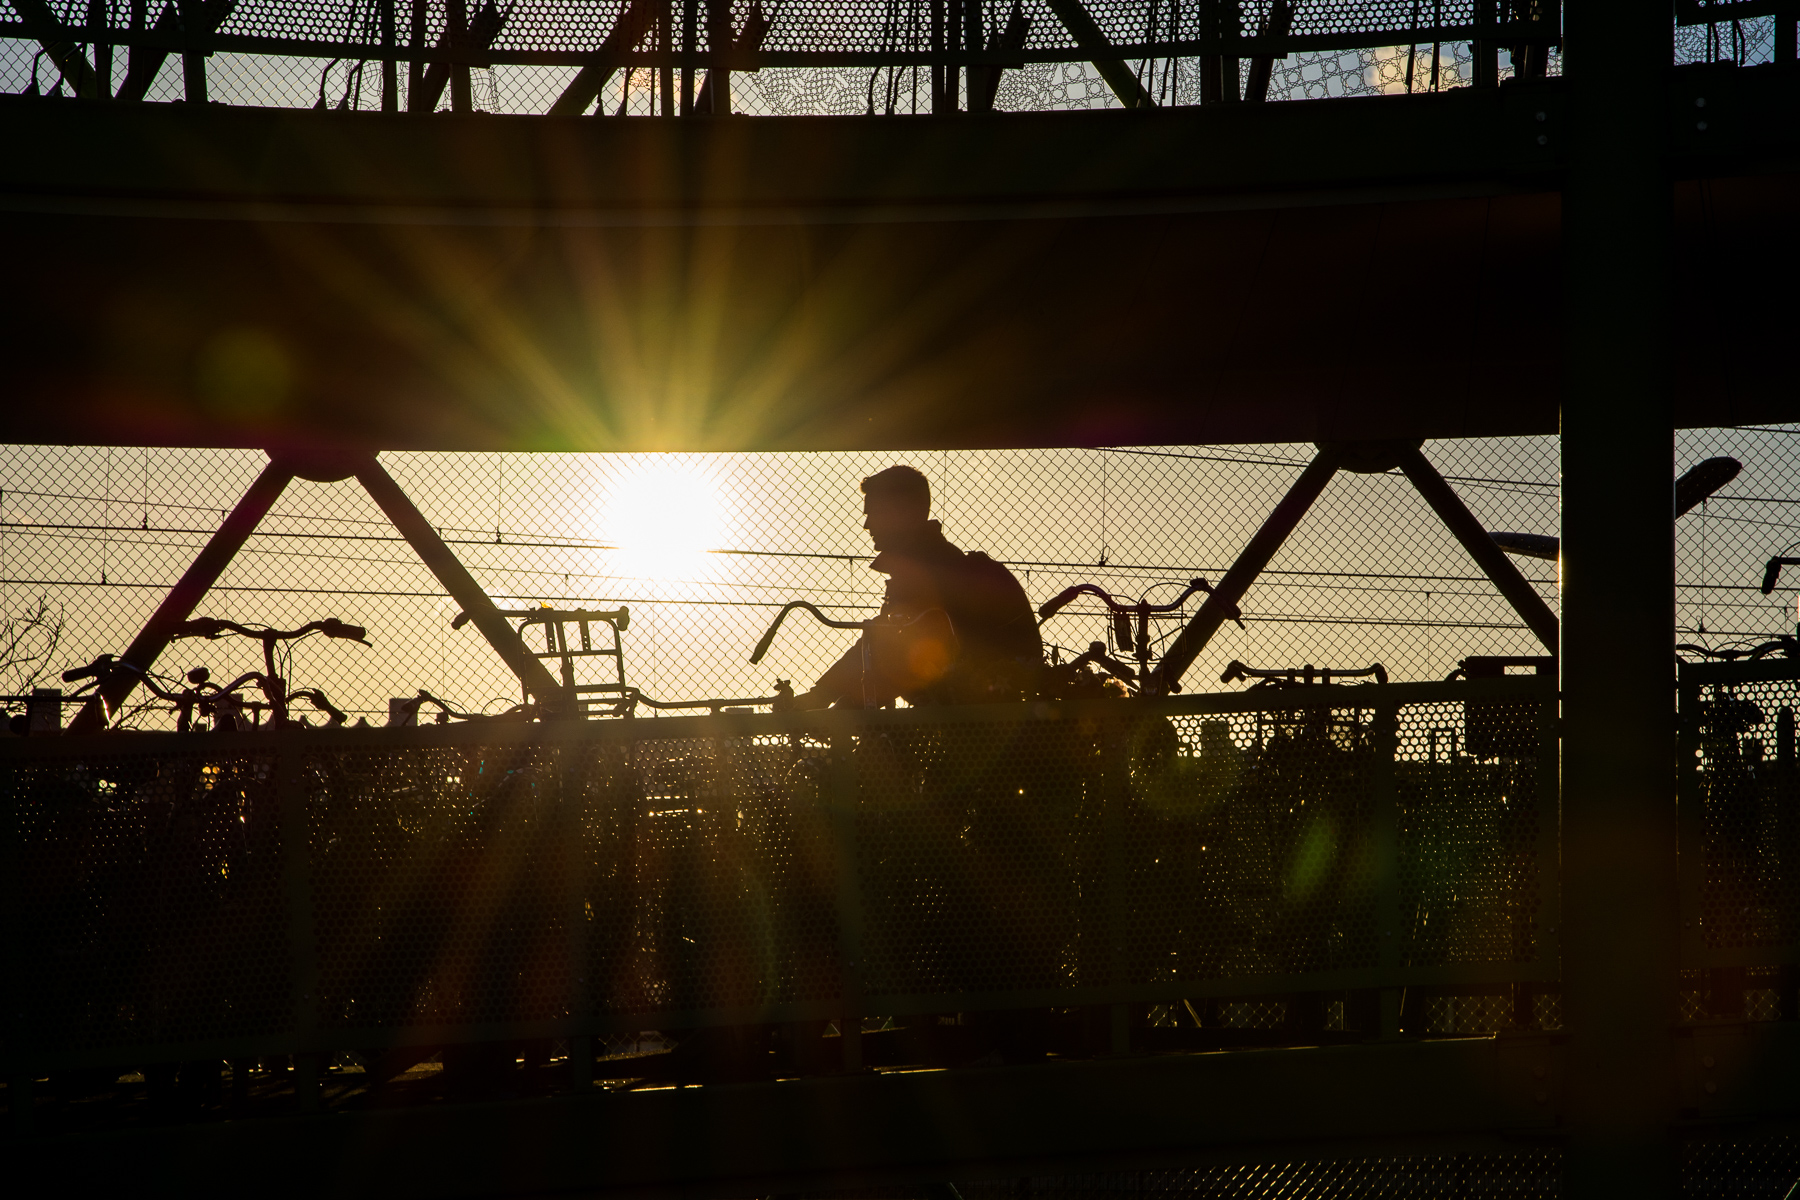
x=1745, y=783
x=150, y=897
x=618, y=876
x=818, y=56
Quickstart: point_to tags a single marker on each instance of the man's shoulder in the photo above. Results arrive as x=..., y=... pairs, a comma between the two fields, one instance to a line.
x=984, y=567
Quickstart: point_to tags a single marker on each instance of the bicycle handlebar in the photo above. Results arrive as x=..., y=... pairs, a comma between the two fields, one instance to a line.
x=213, y=628
x=1051, y=607
x=1772, y=572
x=768, y=638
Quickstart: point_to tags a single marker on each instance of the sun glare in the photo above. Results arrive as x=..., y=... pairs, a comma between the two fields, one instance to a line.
x=664, y=517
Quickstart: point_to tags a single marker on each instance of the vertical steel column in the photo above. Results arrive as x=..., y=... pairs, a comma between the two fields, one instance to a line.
x=572, y=756
x=1690, y=828
x=1389, y=918
x=13, y=991
x=1549, y=845
x=193, y=58
x=718, y=51
x=296, y=886
x=840, y=801
x=390, y=66
x=1619, y=888
x=101, y=20
x=665, y=41
x=462, y=98
x=940, y=73
x=690, y=17
x=415, y=66
x=1115, y=795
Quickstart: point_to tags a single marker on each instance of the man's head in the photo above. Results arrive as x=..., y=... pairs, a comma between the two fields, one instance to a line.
x=896, y=506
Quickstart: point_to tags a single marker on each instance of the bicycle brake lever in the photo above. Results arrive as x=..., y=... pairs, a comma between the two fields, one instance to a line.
x=91, y=671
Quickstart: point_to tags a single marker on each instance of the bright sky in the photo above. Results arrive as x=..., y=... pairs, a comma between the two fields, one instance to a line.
x=705, y=548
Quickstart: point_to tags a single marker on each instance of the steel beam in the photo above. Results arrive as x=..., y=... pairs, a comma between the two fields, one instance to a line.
x=1250, y=563
x=1619, y=845
x=1089, y=36
x=179, y=604
x=450, y=572
x=1481, y=547
x=58, y=43
x=585, y=88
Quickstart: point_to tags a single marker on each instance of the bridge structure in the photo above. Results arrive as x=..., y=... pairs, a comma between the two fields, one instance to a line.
x=886, y=969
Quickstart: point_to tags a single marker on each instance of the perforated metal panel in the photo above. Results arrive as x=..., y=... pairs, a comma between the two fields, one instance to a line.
x=476, y=884
x=1741, y=805
x=150, y=897
x=437, y=886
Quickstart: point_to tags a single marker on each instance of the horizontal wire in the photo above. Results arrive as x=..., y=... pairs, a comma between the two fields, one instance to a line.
x=63, y=531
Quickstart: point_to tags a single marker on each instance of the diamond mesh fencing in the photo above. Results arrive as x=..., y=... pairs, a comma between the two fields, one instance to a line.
x=703, y=550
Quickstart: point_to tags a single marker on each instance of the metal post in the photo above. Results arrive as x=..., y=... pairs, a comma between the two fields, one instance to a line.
x=1389, y=916
x=718, y=46
x=15, y=992
x=690, y=17
x=1250, y=563
x=415, y=66
x=390, y=66
x=179, y=604
x=1549, y=858
x=193, y=58
x=1619, y=889
x=459, y=583
x=943, y=77
x=840, y=799
x=100, y=19
x=457, y=16
x=1492, y=560
x=296, y=886
x=571, y=757
x=665, y=41
x=1690, y=826
x=1115, y=796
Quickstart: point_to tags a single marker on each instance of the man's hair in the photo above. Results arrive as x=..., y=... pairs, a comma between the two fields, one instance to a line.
x=900, y=485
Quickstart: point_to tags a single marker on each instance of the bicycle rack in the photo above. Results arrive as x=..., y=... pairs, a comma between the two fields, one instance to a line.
x=607, y=698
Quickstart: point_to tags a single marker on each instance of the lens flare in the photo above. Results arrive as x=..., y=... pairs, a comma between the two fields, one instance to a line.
x=664, y=516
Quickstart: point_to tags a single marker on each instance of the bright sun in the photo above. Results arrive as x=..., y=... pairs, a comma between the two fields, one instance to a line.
x=664, y=516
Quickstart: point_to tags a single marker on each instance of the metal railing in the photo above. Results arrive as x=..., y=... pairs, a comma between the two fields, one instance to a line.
x=434, y=45
x=179, y=897
x=1739, y=806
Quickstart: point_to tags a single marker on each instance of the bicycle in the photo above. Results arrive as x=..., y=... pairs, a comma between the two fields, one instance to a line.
x=224, y=704
x=1126, y=637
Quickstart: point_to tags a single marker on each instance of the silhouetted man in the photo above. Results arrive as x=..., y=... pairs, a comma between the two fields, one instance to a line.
x=954, y=628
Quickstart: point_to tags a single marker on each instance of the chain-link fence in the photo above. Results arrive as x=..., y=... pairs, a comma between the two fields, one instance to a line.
x=705, y=549
x=329, y=54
